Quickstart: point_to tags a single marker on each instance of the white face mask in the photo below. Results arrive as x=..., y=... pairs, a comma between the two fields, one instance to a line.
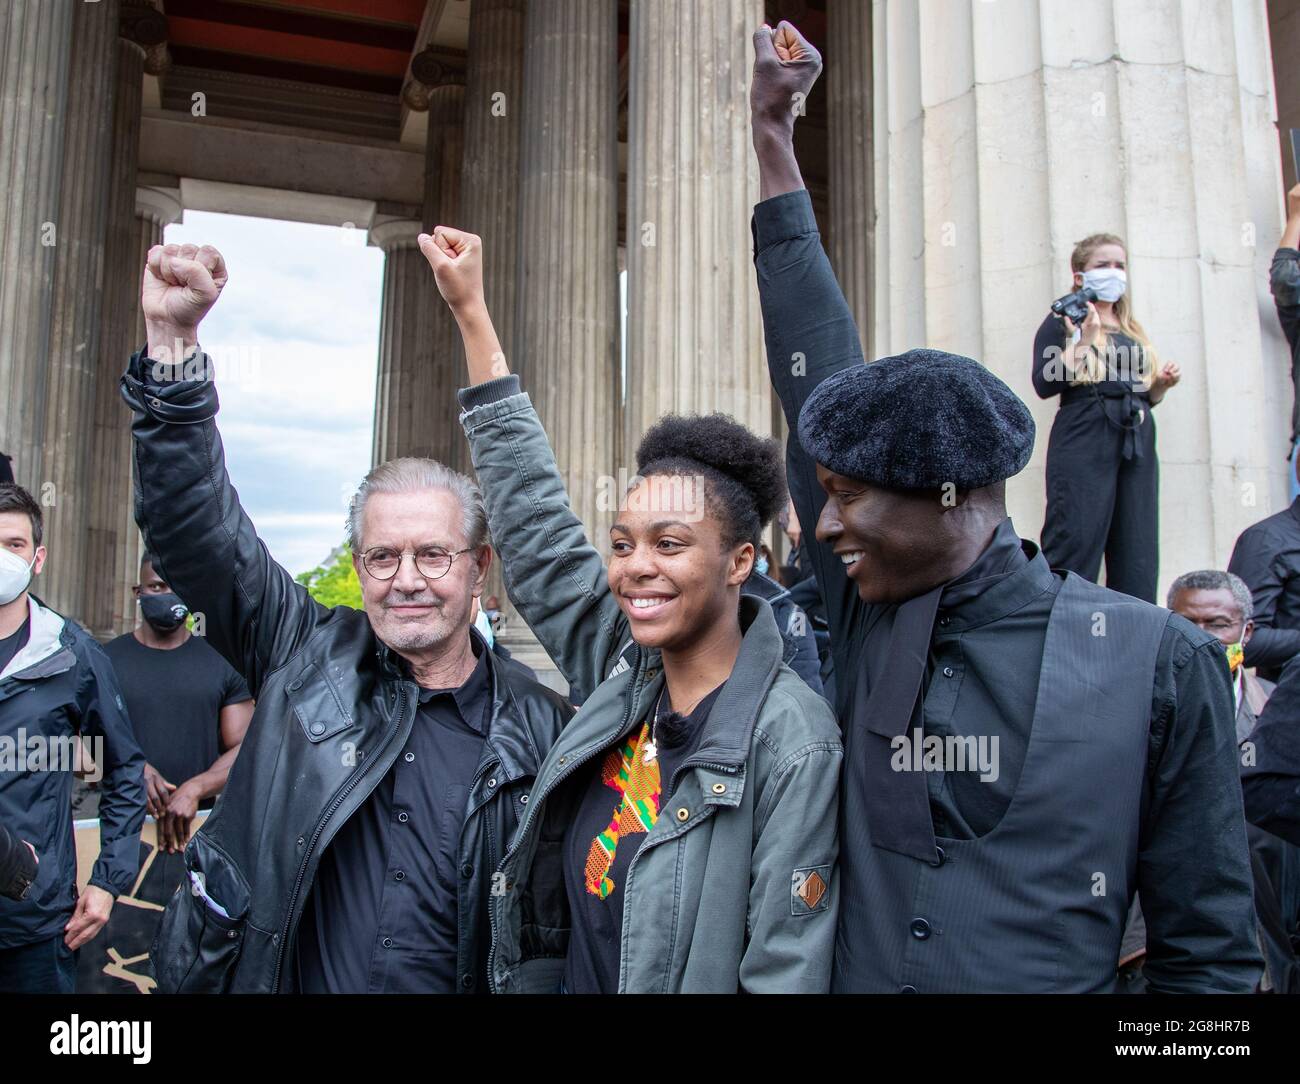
x=14, y=576
x=1109, y=283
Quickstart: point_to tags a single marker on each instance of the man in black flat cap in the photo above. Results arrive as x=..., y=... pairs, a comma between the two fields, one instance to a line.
x=1024, y=750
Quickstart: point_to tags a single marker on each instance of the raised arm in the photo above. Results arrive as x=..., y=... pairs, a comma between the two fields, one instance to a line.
x=553, y=574
x=809, y=329
x=204, y=544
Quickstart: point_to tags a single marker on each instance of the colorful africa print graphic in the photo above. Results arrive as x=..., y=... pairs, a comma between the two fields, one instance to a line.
x=637, y=783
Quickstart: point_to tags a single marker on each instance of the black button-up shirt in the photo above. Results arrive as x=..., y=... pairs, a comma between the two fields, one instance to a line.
x=383, y=914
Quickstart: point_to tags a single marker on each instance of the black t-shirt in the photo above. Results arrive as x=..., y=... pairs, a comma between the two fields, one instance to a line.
x=174, y=699
x=11, y=645
x=621, y=799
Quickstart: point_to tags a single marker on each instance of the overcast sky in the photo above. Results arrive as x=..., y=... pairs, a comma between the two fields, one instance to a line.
x=295, y=336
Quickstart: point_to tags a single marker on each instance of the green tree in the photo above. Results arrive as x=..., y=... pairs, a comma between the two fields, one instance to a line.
x=334, y=584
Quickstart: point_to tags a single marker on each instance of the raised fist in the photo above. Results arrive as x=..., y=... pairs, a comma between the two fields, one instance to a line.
x=181, y=283
x=457, y=261
x=785, y=68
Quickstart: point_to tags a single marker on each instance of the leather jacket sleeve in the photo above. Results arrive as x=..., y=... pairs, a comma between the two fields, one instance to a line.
x=204, y=544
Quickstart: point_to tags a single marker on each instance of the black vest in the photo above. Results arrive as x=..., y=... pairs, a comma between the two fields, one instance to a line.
x=1039, y=903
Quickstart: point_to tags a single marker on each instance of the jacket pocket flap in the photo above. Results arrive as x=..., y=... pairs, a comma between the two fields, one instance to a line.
x=316, y=704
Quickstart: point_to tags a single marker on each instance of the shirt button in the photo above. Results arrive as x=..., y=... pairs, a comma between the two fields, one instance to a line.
x=948, y=671
x=920, y=929
x=467, y=870
x=409, y=757
x=944, y=622
x=399, y=876
x=388, y=942
x=939, y=856
x=402, y=818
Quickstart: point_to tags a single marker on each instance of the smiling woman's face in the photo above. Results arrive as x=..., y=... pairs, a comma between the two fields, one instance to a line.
x=668, y=566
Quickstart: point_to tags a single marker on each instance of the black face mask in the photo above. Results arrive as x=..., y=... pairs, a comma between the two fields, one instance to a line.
x=163, y=612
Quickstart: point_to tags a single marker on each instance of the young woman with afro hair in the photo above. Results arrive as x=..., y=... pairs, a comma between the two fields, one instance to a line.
x=681, y=835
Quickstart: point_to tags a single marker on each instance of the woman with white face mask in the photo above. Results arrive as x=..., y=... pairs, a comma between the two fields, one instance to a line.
x=1102, y=471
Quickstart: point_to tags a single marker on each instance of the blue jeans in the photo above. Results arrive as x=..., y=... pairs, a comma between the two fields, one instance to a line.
x=44, y=967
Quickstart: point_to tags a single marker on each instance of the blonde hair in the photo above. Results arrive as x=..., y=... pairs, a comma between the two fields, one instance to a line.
x=1095, y=368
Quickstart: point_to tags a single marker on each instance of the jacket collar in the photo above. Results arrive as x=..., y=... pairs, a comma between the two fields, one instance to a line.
x=764, y=587
x=41, y=656
x=508, y=735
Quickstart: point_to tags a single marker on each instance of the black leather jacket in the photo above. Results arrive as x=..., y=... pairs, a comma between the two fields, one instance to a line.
x=334, y=709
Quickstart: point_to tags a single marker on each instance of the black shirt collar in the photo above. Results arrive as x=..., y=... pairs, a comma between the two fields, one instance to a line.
x=991, y=588
x=471, y=697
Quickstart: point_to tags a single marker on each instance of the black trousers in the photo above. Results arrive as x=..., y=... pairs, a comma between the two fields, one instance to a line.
x=1100, y=504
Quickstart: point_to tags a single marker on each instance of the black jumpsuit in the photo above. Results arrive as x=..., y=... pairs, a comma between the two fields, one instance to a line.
x=1102, y=472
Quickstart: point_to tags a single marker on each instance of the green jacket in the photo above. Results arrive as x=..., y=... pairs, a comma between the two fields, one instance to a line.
x=734, y=888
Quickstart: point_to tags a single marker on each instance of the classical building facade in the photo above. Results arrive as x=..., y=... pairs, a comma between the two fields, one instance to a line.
x=955, y=150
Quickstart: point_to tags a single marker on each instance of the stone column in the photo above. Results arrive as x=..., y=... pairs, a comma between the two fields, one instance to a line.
x=405, y=342
x=1010, y=131
x=155, y=210
x=75, y=316
x=568, y=290
x=490, y=175
x=34, y=64
x=443, y=158
x=694, y=337
x=109, y=607
x=849, y=90
x=416, y=412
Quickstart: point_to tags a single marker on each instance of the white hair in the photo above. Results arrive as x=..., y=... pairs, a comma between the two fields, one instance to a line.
x=410, y=475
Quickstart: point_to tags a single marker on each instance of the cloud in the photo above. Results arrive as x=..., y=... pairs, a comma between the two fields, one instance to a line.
x=296, y=340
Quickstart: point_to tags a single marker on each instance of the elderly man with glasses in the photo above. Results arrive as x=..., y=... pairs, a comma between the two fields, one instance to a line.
x=390, y=756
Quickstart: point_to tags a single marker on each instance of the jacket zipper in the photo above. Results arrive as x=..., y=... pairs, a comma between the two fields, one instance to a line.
x=522, y=831
x=647, y=845
x=339, y=798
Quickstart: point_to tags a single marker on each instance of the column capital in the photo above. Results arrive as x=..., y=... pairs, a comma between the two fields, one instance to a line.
x=162, y=206
x=144, y=24
x=431, y=68
x=391, y=233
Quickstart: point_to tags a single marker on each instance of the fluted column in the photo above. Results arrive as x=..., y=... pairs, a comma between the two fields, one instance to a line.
x=1010, y=131
x=405, y=342
x=416, y=412
x=694, y=337
x=490, y=175
x=155, y=210
x=35, y=46
x=75, y=315
x=568, y=300
x=849, y=90
x=108, y=609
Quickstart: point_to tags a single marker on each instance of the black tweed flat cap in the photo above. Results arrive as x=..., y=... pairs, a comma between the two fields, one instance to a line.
x=918, y=420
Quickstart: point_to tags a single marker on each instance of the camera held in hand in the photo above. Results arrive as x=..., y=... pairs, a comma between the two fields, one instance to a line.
x=1075, y=305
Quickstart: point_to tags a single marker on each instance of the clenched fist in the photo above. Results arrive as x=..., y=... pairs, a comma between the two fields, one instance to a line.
x=457, y=261
x=181, y=283
x=785, y=68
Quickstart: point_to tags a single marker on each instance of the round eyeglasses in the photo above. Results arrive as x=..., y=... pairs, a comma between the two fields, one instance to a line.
x=432, y=563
